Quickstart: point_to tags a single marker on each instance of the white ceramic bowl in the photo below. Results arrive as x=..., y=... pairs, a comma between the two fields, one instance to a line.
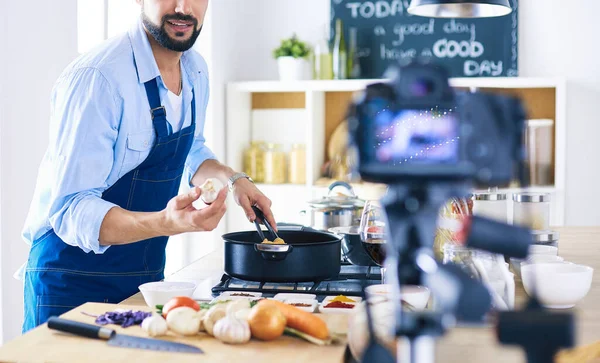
x=417, y=296
x=517, y=263
x=543, y=250
x=160, y=292
x=557, y=285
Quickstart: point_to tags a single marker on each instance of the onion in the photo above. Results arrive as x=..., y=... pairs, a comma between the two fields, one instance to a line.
x=266, y=322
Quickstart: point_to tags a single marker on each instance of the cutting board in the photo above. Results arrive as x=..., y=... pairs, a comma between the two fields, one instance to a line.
x=45, y=345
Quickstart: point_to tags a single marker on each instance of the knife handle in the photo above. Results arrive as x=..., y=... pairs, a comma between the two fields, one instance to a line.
x=81, y=329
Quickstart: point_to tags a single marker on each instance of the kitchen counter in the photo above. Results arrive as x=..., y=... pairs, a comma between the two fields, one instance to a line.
x=577, y=244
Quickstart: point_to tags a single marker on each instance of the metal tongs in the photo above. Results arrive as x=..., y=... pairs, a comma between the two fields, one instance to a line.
x=260, y=215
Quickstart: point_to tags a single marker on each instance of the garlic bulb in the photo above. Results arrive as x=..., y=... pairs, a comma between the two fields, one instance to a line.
x=210, y=190
x=212, y=316
x=232, y=330
x=237, y=305
x=202, y=313
x=184, y=321
x=155, y=325
x=243, y=314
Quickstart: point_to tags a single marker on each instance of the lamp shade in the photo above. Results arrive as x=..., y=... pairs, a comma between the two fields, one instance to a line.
x=459, y=8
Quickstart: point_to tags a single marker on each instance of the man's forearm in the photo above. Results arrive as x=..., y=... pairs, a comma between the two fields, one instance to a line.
x=121, y=226
x=212, y=169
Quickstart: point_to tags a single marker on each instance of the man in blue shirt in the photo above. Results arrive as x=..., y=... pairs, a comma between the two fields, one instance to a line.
x=127, y=125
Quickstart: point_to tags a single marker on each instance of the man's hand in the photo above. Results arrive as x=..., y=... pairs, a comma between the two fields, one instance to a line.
x=181, y=216
x=246, y=195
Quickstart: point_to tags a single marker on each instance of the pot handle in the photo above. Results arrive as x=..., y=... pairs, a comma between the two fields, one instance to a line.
x=340, y=183
x=272, y=252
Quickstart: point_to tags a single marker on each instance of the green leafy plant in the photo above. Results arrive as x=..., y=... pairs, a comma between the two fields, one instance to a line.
x=292, y=47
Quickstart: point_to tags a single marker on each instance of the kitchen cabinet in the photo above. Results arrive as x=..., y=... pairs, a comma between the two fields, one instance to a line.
x=316, y=108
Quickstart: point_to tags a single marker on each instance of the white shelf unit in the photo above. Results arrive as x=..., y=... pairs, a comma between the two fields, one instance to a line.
x=544, y=97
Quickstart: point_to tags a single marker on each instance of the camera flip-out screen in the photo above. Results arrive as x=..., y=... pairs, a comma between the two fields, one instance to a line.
x=417, y=136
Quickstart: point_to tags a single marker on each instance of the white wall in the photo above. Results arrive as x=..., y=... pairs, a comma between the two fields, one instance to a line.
x=560, y=38
x=35, y=56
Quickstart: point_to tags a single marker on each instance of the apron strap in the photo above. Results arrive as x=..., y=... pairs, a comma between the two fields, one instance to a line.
x=159, y=114
x=193, y=107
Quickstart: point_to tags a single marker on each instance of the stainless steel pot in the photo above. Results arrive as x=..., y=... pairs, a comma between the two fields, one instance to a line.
x=336, y=210
x=352, y=247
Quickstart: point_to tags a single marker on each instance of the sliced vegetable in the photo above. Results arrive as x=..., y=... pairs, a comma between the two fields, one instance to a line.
x=124, y=318
x=184, y=320
x=177, y=302
x=266, y=322
x=300, y=320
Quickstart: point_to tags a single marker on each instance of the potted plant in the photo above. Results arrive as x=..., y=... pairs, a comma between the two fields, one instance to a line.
x=292, y=59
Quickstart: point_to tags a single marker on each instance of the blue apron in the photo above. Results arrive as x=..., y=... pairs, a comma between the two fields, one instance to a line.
x=60, y=277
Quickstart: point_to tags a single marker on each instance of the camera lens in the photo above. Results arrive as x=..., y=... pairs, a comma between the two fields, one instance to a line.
x=421, y=87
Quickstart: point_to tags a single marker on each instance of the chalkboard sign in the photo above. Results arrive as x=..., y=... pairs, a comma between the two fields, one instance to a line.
x=387, y=34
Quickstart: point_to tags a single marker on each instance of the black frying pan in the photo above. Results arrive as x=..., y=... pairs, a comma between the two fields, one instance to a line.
x=308, y=255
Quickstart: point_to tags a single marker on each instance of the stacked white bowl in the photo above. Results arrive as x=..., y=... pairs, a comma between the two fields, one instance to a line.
x=558, y=284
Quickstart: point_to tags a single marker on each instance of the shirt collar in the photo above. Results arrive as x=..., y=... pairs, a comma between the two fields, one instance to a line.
x=146, y=66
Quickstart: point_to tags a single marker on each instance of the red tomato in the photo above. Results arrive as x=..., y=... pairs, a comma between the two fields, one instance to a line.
x=177, y=302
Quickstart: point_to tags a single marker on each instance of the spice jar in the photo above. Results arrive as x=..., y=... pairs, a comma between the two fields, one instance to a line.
x=297, y=165
x=254, y=164
x=491, y=204
x=531, y=210
x=547, y=238
x=274, y=164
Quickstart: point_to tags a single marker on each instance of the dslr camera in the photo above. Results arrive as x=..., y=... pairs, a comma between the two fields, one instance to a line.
x=417, y=128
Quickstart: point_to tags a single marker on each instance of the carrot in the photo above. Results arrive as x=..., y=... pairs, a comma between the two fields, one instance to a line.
x=301, y=320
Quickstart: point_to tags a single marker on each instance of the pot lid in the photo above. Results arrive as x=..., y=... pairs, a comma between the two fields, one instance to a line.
x=338, y=199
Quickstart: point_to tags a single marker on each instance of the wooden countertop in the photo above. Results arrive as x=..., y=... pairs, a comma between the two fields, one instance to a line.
x=577, y=244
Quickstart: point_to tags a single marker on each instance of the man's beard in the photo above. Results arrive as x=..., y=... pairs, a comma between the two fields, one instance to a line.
x=159, y=33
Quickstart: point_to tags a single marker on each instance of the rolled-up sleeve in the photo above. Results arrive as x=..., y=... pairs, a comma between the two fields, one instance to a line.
x=84, y=129
x=199, y=152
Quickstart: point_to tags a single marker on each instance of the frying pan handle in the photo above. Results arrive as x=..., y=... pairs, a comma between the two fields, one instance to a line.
x=271, y=252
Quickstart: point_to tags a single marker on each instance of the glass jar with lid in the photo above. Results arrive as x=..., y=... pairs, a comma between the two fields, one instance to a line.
x=297, y=164
x=275, y=164
x=546, y=237
x=531, y=210
x=254, y=164
x=491, y=204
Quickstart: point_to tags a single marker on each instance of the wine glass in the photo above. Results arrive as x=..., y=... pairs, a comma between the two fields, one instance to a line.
x=372, y=233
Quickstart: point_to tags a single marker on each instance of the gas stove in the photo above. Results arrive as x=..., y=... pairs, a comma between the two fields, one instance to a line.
x=350, y=282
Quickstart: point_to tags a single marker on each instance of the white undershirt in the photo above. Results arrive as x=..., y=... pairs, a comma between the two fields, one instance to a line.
x=173, y=106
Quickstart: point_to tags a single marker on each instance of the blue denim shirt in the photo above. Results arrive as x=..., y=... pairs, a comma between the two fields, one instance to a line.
x=100, y=129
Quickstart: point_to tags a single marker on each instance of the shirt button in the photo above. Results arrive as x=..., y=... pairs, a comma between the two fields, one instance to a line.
x=145, y=143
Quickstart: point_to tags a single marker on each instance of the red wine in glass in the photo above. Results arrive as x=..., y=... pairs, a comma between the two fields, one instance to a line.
x=374, y=244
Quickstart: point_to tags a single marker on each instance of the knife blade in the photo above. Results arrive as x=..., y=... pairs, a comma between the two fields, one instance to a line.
x=119, y=340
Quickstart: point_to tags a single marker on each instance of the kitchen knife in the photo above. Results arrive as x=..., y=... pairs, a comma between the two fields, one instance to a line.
x=118, y=340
